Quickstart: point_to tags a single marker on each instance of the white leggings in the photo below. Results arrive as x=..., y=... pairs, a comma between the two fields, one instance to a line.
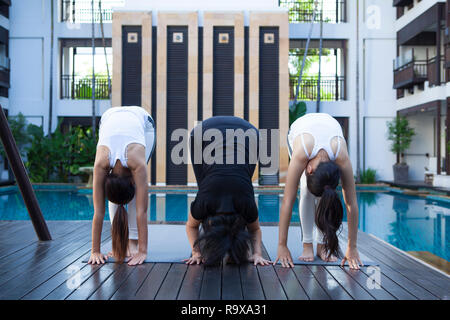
x=307, y=210
x=150, y=142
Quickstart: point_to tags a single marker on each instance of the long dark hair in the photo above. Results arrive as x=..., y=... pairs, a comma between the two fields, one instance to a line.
x=223, y=234
x=329, y=213
x=119, y=190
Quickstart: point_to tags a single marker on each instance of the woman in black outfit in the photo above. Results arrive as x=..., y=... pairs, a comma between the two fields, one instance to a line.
x=225, y=203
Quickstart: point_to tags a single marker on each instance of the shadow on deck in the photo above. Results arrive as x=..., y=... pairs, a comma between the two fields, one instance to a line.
x=54, y=270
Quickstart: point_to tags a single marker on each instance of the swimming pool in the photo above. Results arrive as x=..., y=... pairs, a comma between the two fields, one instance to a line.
x=408, y=222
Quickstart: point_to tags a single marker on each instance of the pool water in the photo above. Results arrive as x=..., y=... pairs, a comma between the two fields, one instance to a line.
x=407, y=222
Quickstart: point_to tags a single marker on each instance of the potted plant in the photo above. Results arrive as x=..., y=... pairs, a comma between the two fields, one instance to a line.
x=400, y=133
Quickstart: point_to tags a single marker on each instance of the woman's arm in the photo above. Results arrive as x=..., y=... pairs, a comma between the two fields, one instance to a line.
x=255, y=232
x=100, y=172
x=138, y=169
x=351, y=204
x=295, y=170
x=192, y=226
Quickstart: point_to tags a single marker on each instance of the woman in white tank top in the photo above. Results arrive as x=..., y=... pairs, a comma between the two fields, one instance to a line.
x=125, y=145
x=319, y=156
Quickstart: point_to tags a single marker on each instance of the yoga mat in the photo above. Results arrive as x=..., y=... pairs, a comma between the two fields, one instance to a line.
x=270, y=241
x=166, y=243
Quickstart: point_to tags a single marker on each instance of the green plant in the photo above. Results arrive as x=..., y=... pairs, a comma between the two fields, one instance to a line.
x=55, y=158
x=18, y=126
x=368, y=176
x=400, y=133
x=296, y=111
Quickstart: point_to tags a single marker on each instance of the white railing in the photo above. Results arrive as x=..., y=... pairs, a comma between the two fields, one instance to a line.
x=80, y=11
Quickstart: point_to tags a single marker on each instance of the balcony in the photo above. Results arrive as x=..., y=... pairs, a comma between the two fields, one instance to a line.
x=80, y=88
x=334, y=11
x=402, y=3
x=332, y=88
x=80, y=11
x=410, y=74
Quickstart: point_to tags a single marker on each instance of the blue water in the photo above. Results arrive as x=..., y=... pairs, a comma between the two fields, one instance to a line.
x=407, y=222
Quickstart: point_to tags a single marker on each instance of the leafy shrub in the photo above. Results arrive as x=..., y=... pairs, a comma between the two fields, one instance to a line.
x=56, y=157
x=368, y=176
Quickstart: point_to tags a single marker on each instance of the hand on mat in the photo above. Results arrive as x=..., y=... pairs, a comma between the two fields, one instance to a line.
x=137, y=258
x=284, y=256
x=258, y=259
x=196, y=258
x=97, y=258
x=352, y=257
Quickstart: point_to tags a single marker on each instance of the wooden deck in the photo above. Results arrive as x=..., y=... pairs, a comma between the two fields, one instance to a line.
x=40, y=270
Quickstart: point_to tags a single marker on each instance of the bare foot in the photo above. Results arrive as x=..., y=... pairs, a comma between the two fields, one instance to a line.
x=308, y=253
x=322, y=254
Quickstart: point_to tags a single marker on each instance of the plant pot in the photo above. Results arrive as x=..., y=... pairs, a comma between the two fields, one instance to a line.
x=400, y=172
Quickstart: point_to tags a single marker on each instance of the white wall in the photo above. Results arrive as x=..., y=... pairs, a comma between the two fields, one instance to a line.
x=423, y=142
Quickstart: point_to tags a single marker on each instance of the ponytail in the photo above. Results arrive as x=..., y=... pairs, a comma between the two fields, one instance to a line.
x=119, y=234
x=329, y=213
x=119, y=190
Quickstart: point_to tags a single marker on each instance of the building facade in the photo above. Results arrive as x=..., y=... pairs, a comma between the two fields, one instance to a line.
x=357, y=90
x=421, y=75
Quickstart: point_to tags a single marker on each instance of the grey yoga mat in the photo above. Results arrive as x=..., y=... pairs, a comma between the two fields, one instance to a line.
x=270, y=241
x=166, y=243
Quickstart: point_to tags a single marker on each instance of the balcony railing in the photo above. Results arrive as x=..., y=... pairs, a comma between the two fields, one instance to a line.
x=80, y=11
x=76, y=87
x=332, y=88
x=410, y=74
x=334, y=11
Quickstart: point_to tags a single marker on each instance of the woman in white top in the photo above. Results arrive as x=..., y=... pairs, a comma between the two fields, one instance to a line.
x=126, y=143
x=319, y=156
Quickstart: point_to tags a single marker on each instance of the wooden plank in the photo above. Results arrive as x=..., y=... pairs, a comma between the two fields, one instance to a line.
x=418, y=274
x=88, y=287
x=350, y=285
x=130, y=286
x=46, y=269
x=63, y=290
x=56, y=287
x=153, y=282
x=334, y=290
x=309, y=283
x=393, y=288
x=114, y=281
x=46, y=254
x=20, y=285
x=290, y=283
x=211, y=283
x=20, y=256
x=171, y=285
x=273, y=290
x=408, y=284
x=192, y=283
x=231, y=282
x=251, y=285
x=370, y=285
x=403, y=262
